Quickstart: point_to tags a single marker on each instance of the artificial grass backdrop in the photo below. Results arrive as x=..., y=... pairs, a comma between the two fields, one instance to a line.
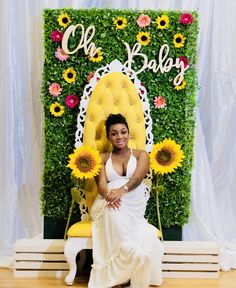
x=176, y=120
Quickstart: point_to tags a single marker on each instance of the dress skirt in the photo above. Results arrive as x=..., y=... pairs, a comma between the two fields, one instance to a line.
x=125, y=245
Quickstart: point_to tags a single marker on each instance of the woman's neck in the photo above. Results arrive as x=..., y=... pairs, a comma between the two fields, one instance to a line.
x=120, y=151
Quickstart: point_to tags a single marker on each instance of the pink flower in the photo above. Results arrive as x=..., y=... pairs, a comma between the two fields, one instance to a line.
x=143, y=21
x=90, y=76
x=184, y=60
x=61, y=55
x=57, y=36
x=159, y=102
x=186, y=19
x=71, y=100
x=55, y=89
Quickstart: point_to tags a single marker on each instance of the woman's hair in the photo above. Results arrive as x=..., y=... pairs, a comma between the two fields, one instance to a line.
x=113, y=119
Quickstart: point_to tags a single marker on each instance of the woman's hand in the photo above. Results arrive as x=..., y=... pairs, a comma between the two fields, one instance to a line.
x=113, y=197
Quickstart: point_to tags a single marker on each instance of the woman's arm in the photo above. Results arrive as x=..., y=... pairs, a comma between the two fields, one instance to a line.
x=101, y=179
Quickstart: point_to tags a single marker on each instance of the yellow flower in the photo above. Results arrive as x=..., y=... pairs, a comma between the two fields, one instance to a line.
x=97, y=57
x=56, y=109
x=69, y=75
x=162, y=22
x=85, y=162
x=64, y=20
x=181, y=86
x=120, y=23
x=179, y=40
x=143, y=38
x=166, y=156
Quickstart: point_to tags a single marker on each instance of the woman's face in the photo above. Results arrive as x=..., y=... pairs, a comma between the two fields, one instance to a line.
x=118, y=135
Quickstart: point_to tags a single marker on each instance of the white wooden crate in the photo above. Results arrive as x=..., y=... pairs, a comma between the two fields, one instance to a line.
x=191, y=259
x=39, y=258
x=182, y=259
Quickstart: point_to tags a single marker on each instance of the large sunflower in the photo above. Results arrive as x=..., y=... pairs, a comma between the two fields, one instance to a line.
x=143, y=38
x=179, y=40
x=56, y=109
x=120, y=23
x=97, y=57
x=85, y=162
x=162, y=22
x=69, y=75
x=64, y=20
x=166, y=156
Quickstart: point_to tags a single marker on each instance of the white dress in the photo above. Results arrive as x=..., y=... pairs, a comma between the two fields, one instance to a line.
x=125, y=245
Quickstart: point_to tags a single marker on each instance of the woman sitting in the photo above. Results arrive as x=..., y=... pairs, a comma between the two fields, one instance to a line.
x=125, y=246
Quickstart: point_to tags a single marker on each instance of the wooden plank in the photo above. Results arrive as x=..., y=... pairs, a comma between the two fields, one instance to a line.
x=189, y=267
x=190, y=247
x=211, y=275
x=40, y=256
x=191, y=258
x=39, y=245
x=35, y=273
x=33, y=265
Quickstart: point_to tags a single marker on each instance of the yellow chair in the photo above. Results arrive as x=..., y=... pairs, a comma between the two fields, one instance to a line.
x=113, y=93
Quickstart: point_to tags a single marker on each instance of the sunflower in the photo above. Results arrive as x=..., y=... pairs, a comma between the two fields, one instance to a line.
x=64, y=20
x=179, y=40
x=162, y=22
x=85, y=162
x=181, y=86
x=97, y=57
x=143, y=38
x=120, y=23
x=69, y=75
x=56, y=109
x=166, y=156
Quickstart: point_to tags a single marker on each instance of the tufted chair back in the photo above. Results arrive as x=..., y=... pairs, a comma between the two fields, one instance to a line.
x=114, y=93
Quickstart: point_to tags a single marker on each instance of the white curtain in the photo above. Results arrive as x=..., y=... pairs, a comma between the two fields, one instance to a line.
x=214, y=183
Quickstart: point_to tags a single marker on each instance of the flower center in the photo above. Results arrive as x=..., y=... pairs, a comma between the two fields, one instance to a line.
x=70, y=75
x=144, y=38
x=178, y=40
x=64, y=20
x=119, y=22
x=83, y=164
x=96, y=55
x=163, y=157
x=57, y=109
x=163, y=23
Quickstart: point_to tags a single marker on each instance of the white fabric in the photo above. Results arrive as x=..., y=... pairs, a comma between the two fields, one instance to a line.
x=214, y=182
x=125, y=245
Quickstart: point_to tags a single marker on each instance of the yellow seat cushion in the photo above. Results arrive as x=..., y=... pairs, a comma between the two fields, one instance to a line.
x=80, y=229
x=84, y=229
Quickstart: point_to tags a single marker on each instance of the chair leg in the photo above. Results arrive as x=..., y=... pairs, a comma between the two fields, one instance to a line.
x=71, y=250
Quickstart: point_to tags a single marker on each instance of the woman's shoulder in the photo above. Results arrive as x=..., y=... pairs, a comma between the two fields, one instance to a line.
x=105, y=156
x=139, y=153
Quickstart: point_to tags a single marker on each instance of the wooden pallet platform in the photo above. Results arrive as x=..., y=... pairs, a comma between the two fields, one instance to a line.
x=191, y=259
x=39, y=258
x=182, y=259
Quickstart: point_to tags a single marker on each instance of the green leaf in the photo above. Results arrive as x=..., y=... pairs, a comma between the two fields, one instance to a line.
x=76, y=195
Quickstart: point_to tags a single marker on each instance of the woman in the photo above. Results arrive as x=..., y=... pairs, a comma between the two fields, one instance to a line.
x=125, y=246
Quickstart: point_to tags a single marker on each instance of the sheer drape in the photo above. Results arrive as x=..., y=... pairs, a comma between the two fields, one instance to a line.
x=213, y=198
